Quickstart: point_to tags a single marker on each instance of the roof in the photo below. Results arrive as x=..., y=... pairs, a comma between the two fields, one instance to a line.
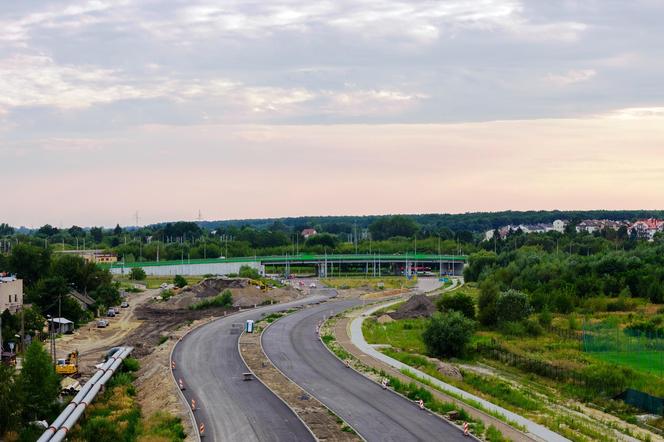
x=8, y=279
x=85, y=299
x=61, y=321
x=308, y=231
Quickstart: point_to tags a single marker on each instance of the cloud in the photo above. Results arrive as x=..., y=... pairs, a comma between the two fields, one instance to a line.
x=571, y=77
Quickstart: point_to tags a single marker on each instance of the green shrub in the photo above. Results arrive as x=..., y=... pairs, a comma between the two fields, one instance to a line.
x=545, y=317
x=513, y=328
x=137, y=274
x=487, y=303
x=131, y=364
x=621, y=304
x=249, y=272
x=609, y=379
x=224, y=299
x=512, y=306
x=179, y=281
x=167, y=294
x=532, y=327
x=459, y=302
x=164, y=425
x=448, y=334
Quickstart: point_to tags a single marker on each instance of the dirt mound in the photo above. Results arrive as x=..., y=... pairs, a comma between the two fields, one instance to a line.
x=251, y=295
x=384, y=319
x=418, y=306
x=213, y=286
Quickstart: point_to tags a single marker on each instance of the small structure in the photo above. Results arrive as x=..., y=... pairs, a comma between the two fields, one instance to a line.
x=61, y=325
x=11, y=293
x=84, y=301
x=384, y=319
x=307, y=233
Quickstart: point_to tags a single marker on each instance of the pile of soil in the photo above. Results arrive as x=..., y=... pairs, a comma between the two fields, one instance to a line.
x=244, y=293
x=418, y=306
x=213, y=286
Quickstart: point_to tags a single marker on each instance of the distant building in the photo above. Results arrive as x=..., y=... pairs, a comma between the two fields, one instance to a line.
x=95, y=256
x=558, y=226
x=306, y=233
x=84, y=301
x=646, y=228
x=597, y=225
x=11, y=293
x=61, y=325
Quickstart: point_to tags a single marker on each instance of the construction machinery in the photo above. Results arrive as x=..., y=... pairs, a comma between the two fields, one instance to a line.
x=68, y=366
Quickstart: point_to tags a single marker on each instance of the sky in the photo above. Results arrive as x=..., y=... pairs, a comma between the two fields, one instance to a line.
x=246, y=109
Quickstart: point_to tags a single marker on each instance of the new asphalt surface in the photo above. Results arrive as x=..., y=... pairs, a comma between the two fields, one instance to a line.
x=209, y=364
x=376, y=414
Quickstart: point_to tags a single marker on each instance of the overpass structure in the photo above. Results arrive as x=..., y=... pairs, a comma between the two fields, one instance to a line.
x=375, y=264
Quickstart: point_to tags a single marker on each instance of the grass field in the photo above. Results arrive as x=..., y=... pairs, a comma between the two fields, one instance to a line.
x=405, y=334
x=388, y=282
x=645, y=361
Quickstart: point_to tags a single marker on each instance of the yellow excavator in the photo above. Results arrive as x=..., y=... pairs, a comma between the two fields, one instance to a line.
x=68, y=366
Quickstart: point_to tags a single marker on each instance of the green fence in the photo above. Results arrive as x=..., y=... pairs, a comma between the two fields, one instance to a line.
x=643, y=351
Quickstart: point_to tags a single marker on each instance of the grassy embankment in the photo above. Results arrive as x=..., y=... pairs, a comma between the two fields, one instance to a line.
x=541, y=399
x=385, y=282
x=116, y=416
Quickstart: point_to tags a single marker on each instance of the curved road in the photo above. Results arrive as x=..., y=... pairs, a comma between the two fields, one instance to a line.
x=208, y=362
x=292, y=345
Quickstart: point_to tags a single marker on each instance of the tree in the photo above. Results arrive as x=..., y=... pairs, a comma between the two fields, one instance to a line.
x=512, y=306
x=97, y=234
x=29, y=262
x=655, y=292
x=39, y=383
x=322, y=239
x=179, y=281
x=117, y=230
x=106, y=295
x=389, y=227
x=486, y=303
x=137, y=274
x=460, y=302
x=48, y=230
x=6, y=229
x=447, y=335
x=10, y=409
x=76, y=231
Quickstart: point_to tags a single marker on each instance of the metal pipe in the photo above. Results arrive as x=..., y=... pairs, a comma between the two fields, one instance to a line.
x=67, y=419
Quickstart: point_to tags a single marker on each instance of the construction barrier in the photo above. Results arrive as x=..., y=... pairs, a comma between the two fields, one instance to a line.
x=201, y=429
x=465, y=428
x=173, y=365
x=193, y=404
x=421, y=404
x=181, y=384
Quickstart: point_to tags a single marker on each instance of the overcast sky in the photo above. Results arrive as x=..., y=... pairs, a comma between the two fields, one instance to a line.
x=277, y=108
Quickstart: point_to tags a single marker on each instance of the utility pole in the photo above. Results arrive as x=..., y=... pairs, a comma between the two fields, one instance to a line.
x=22, y=329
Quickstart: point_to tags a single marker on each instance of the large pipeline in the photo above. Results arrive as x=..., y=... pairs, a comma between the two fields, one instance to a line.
x=73, y=411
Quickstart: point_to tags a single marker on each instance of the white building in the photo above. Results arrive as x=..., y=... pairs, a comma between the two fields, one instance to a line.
x=11, y=293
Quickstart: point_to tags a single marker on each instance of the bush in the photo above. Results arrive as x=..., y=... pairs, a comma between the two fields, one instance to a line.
x=448, y=334
x=512, y=328
x=459, y=302
x=532, y=327
x=166, y=294
x=512, y=306
x=563, y=302
x=137, y=274
x=621, y=304
x=224, y=299
x=487, y=303
x=179, y=281
x=131, y=364
x=545, y=317
x=249, y=272
x=607, y=379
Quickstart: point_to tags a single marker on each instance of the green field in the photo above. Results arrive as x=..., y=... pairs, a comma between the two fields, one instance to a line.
x=405, y=334
x=645, y=361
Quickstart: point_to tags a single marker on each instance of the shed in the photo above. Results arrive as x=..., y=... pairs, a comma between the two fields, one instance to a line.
x=62, y=325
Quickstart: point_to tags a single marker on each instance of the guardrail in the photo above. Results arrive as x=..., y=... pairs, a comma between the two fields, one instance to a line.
x=73, y=411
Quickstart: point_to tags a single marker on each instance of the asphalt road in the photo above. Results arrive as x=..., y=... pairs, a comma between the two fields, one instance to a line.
x=208, y=361
x=378, y=415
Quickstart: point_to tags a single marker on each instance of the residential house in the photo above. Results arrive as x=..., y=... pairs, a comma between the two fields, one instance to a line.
x=11, y=293
x=84, y=301
x=61, y=325
x=306, y=233
x=646, y=228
